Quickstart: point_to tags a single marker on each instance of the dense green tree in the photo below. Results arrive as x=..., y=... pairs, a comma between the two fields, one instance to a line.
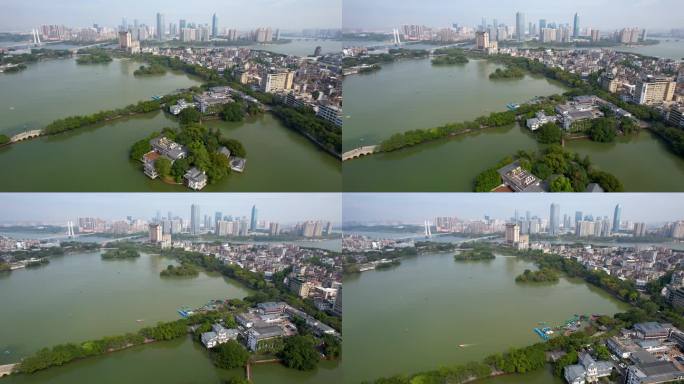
x=229, y=355
x=607, y=181
x=304, y=120
x=512, y=72
x=541, y=170
x=163, y=166
x=300, y=353
x=232, y=112
x=4, y=139
x=602, y=352
x=140, y=148
x=541, y=276
x=152, y=70
x=549, y=133
x=200, y=155
x=487, y=180
x=628, y=126
x=332, y=348
x=603, y=130
x=569, y=359
x=561, y=184
x=190, y=115
x=179, y=168
x=236, y=148
x=219, y=167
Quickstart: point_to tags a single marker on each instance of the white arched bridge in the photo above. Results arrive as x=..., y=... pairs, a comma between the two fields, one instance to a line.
x=358, y=152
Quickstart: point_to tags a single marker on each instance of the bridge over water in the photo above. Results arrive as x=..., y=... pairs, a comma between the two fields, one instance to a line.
x=358, y=152
x=6, y=369
x=26, y=135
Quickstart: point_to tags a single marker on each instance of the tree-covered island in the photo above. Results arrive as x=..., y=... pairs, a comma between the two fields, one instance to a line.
x=476, y=254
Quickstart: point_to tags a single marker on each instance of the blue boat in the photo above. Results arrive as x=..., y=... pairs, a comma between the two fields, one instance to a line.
x=185, y=312
x=156, y=98
x=542, y=333
x=512, y=106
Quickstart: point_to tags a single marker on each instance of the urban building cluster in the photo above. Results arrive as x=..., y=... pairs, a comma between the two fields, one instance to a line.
x=491, y=32
x=312, y=81
x=262, y=328
x=639, y=263
x=644, y=354
x=188, y=31
x=228, y=225
x=315, y=273
x=360, y=243
x=54, y=32
x=634, y=78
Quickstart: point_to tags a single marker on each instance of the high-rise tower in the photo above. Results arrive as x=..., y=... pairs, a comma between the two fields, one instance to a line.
x=616, y=218
x=253, y=222
x=214, y=26
x=195, y=219
x=520, y=26
x=554, y=219
x=161, y=27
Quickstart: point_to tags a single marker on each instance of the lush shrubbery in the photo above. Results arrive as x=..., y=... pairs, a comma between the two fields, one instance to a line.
x=229, y=355
x=34, y=56
x=418, y=136
x=151, y=70
x=299, y=352
x=541, y=276
x=474, y=255
x=603, y=130
x=549, y=133
x=449, y=56
x=184, y=270
x=305, y=120
x=507, y=74
x=561, y=184
x=121, y=253
x=555, y=162
x=64, y=353
x=75, y=122
x=673, y=136
x=4, y=139
x=93, y=56
x=232, y=112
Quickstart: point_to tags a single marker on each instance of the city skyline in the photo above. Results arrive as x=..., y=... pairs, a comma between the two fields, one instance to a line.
x=416, y=207
x=281, y=207
x=23, y=15
x=387, y=14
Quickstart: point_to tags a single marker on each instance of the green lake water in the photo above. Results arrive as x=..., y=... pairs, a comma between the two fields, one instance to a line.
x=415, y=316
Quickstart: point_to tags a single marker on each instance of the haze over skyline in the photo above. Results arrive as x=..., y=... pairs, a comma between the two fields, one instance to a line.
x=601, y=14
x=60, y=207
x=417, y=207
x=24, y=15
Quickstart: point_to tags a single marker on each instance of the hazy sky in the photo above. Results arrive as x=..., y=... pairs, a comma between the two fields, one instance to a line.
x=412, y=207
x=284, y=14
x=602, y=14
x=60, y=207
